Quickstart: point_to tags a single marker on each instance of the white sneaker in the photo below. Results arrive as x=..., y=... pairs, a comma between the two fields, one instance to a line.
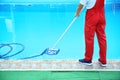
x=101, y=64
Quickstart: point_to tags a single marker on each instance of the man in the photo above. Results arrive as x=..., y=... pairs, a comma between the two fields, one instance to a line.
x=94, y=23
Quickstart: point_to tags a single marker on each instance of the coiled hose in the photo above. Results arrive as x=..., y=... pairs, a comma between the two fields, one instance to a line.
x=6, y=56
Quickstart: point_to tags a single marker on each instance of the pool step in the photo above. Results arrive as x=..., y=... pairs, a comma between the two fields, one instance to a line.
x=55, y=65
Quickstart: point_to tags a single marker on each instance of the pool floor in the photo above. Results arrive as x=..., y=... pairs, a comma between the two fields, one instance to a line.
x=39, y=28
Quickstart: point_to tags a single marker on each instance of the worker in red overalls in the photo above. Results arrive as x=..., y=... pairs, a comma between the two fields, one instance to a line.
x=94, y=23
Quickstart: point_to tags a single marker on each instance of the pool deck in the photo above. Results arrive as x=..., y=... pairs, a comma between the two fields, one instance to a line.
x=56, y=65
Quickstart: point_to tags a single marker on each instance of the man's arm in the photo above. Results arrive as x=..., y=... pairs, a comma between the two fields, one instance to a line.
x=79, y=9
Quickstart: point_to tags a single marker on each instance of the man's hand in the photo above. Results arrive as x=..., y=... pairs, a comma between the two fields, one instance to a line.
x=79, y=9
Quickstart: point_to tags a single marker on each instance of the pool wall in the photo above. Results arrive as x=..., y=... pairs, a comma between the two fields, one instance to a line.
x=37, y=1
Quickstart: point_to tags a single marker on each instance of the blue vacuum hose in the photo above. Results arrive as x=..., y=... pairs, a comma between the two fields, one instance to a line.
x=6, y=56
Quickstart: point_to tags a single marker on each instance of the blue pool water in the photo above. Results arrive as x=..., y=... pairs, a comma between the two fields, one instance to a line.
x=38, y=26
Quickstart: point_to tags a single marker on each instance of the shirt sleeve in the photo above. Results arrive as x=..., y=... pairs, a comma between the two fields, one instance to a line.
x=105, y=2
x=83, y=2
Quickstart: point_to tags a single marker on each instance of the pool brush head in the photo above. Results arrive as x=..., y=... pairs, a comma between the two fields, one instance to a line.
x=52, y=51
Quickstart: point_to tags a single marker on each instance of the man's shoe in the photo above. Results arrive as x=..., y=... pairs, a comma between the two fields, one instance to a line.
x=83, y=61
x=102, y=64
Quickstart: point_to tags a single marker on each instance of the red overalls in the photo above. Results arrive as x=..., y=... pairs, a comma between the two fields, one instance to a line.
x=95, y=23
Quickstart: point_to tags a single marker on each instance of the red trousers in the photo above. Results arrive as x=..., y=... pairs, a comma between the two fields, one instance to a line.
x=95, y=23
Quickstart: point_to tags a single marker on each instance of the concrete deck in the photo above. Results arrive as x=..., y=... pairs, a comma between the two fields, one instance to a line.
x=55, y=65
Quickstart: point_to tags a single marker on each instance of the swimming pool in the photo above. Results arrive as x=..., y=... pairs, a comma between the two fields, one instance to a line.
x=37, y=26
